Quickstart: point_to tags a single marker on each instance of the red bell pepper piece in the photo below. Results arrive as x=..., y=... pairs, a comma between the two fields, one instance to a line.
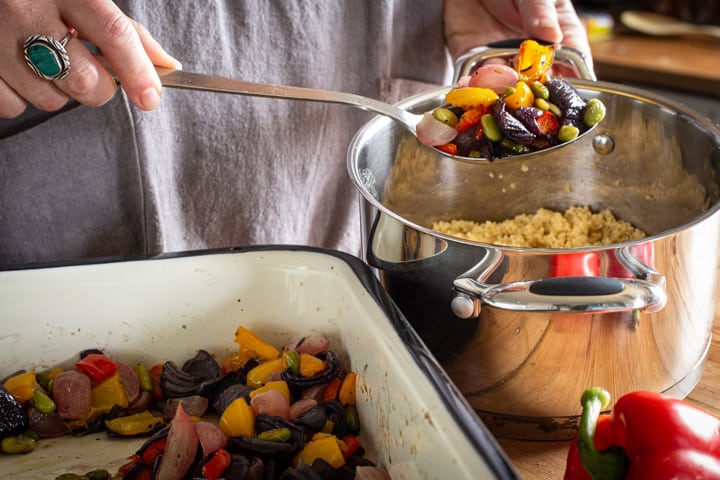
x=651, y=436
x=155, y=372
x=97, y=366
x=352, y=444
x=215, y=467
x=548, y=124
x=154, y=450
x=332, y=389
x=449, y=148
x=470, y=118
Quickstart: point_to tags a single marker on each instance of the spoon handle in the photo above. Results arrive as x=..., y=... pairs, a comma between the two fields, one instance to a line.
x=196, y=81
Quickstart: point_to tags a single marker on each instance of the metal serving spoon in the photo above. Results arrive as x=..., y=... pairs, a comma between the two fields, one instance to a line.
x=196, y=81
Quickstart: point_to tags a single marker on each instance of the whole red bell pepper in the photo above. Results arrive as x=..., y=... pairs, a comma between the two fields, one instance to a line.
x=648, y=435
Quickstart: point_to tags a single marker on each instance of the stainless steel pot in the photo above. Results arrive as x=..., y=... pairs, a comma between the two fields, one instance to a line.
x=519, y=339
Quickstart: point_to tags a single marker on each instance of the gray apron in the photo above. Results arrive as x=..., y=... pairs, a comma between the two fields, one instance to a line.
x=210, y=170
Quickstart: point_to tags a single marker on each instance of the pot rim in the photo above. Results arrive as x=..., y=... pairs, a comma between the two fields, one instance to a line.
x=380, y=122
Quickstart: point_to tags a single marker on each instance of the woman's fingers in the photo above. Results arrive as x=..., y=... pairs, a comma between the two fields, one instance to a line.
x=473, y=23
x=540, y=19
x=104, y=25
x=574, y=33
x=128, y=50
x=87, y=81
x=11, y=104
x=18, y=21
x=155, y=51
x=555, y=21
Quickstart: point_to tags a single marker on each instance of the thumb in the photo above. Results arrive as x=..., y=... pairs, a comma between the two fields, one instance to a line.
x=555, y=21
x=540, y=20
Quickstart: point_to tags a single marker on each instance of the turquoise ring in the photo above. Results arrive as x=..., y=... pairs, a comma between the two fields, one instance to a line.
x=47, y=57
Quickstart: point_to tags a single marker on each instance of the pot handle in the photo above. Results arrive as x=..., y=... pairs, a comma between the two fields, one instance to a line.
x=569, y=57
x=591, y=294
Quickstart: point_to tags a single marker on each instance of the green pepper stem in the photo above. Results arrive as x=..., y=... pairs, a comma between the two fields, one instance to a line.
x=606, y=465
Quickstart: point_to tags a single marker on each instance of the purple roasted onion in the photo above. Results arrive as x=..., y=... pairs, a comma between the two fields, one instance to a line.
x=46, y=425
x=528, y=117
x=567, y=98
x=510, y=126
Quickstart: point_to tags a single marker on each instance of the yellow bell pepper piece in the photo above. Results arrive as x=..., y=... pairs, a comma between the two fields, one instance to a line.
x=279, y=385
x=237, y=361
x=471, y=97
x=523, y=96
x=534, y=60
x=54, y=373
x=310, y=365
x=136, y=424
x=238, y=419
x=261, y=349
x=108, y=393
x=346, y=395
x=323, y=446
x=258, y=376
x=21, y=386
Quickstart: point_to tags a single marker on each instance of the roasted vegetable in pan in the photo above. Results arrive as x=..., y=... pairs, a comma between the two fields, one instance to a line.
x=282, y=413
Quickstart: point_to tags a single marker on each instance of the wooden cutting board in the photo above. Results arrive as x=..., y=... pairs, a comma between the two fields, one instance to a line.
x=686, y=64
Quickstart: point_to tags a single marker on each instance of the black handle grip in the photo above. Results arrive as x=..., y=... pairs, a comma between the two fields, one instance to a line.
x=514, y=43
x=577, y=286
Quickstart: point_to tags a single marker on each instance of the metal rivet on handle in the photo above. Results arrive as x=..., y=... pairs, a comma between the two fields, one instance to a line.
x=604, y=144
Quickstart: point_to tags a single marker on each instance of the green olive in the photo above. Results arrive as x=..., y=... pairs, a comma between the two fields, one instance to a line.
x=594, y=112
x=43, y=379
x=511, y=146
x=146, y=382
x=555, y=110
x=446, y=116
x=567, y=133
x=17, y=445
x=98, y=475
x=42, y=402
x=542, y=104
x=509, y=91
x=540, y=90
x=71, y=476
x=490, y=128
x=352, y=419
x=292, y=359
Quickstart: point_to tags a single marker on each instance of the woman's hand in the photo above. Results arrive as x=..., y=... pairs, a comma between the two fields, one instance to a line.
x=473, y=23
x=127, y=47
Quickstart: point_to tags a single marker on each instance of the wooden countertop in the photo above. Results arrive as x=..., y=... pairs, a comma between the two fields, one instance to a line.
x=686, y=64
x=546, y=460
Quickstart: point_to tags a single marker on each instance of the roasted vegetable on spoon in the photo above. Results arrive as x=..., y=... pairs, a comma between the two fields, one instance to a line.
x=501, y=110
